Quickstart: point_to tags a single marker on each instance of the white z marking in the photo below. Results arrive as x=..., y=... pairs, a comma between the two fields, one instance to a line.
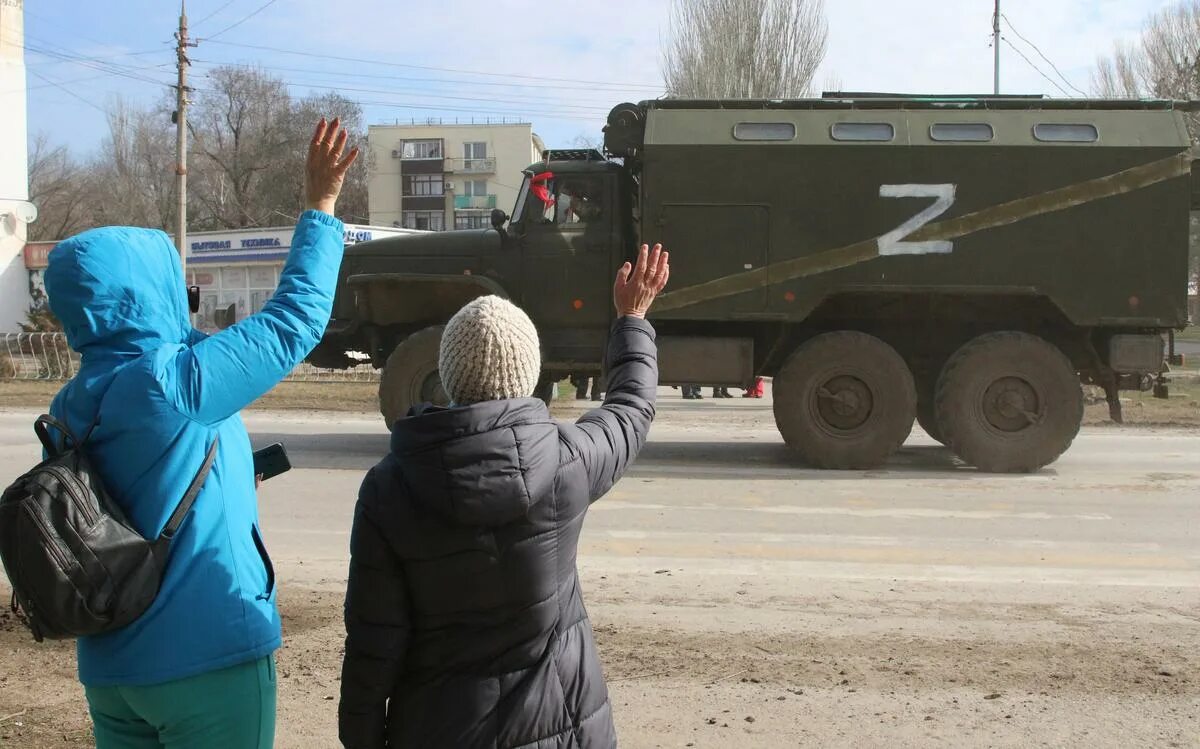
x=892, y=243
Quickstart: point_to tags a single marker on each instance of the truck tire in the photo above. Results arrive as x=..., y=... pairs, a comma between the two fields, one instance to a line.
x=410, y=376
x=1009, y=403
x=845, y=400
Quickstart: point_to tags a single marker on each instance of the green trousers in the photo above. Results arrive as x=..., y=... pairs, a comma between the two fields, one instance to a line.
x=233, y=708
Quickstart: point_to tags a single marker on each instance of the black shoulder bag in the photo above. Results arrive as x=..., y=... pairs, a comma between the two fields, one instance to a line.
x=76, y=565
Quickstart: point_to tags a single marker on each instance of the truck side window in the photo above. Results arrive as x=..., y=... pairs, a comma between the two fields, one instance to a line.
x=966, y=132
x=577, y=202
x=1053, y=132
x=863, y=131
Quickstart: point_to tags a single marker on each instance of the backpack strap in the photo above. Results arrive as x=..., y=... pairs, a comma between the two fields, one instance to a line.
x=42, y=427
x=189, y=497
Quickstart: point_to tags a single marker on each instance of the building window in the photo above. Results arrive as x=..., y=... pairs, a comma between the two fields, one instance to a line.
x=475, y=188
x=423, y=185
x=424, y=220
x=973, y=132
x=471, y=220
x=475, y=150
x=421, y=149
x=764, y=131
x=881, y=132
x=246, y=287
x=1051, y=132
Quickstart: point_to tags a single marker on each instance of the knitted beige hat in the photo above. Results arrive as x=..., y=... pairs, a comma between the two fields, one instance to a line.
x=490, y=351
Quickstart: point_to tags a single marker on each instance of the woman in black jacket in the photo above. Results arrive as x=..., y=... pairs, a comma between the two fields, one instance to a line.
x=465, y=625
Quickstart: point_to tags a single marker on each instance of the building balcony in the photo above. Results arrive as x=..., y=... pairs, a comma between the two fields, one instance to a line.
x=471, y=166
x=475, y=201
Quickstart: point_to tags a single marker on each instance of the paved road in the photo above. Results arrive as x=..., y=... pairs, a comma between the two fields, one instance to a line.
x=740, y=600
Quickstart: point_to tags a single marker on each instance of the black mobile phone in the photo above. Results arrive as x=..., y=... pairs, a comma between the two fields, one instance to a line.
x=271, y=461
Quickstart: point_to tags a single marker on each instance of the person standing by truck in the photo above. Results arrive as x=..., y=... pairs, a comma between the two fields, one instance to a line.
x=464, y=620
x=197, y=668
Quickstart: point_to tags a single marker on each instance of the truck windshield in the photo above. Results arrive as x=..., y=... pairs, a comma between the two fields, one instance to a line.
x=522, y=198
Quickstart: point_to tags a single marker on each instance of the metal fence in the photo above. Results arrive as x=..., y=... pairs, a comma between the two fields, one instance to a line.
x=46, y=356
x=37, y=356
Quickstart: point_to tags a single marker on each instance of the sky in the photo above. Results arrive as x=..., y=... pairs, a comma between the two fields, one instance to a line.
x=561, y=65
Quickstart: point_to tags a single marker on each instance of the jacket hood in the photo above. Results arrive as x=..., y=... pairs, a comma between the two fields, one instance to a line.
x=118, y=290
x=481, y=465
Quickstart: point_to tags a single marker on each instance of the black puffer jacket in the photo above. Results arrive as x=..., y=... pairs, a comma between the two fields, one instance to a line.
x=464, y=620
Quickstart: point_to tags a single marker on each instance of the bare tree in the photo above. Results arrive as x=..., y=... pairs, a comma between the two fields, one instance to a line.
x=741, y=49
x=134, y=171
x=61, y=188
x=251, y=137
x=1163, y=64
x=240, y=130
x=352, y=204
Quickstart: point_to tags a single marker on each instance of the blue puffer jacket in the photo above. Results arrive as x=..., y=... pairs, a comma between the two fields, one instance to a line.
x=163, y=392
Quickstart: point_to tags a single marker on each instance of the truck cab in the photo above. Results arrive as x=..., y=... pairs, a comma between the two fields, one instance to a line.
x=556, y=257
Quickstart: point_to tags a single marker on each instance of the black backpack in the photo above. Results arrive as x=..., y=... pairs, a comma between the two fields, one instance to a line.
x=76, y=565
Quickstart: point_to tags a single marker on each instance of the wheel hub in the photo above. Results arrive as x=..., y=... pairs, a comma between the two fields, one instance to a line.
x=844, y=402
x=432, y=390
x=1011, y=404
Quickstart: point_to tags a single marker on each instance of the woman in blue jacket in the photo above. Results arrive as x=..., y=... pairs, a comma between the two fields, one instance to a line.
x=197, y=669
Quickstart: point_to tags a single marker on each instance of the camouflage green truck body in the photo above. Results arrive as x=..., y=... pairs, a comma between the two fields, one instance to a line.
x=922, y=222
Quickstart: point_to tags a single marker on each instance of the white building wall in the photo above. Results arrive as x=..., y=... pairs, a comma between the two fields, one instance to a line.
x=14, y=167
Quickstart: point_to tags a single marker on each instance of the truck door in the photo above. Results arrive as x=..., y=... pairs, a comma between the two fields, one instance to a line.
x=567, y=266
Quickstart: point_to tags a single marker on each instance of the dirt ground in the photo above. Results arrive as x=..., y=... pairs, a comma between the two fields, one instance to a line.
x=773, y=684
x=707, y=659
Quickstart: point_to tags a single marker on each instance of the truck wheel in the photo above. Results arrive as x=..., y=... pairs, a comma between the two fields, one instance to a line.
x=1009, y=403
x=845, y=400
x=926, y=383
x=411, y=377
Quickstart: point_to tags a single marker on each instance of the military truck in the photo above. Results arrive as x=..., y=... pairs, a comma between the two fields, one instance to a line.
x=962, y=262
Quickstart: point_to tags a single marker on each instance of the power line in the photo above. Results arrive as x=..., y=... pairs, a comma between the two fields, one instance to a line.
x=1047, y=59
x=112, y=68
x=126, y=54
x=556, y=103
x=234, y=25
x=215, y=12
x=1035, y=67
x=89, y=78
x=84, y=62
x=616, y=87
x=311, y=54
x=522, y=115
x=68, y=91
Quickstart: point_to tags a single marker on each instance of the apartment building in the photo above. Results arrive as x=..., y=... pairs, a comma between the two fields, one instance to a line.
x=437, y=176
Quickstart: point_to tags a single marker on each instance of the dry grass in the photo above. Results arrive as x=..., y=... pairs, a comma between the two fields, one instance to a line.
x=344, y=397
x=1182, y=409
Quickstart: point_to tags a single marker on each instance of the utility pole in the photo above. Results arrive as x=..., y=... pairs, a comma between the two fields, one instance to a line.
x=996, y=45
x=181, y=102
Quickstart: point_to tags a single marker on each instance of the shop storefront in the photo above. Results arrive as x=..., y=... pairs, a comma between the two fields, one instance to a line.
x=234, y=267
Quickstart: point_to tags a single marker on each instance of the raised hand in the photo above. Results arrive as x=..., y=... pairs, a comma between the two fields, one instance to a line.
x=325, y=169
x=636, y=288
